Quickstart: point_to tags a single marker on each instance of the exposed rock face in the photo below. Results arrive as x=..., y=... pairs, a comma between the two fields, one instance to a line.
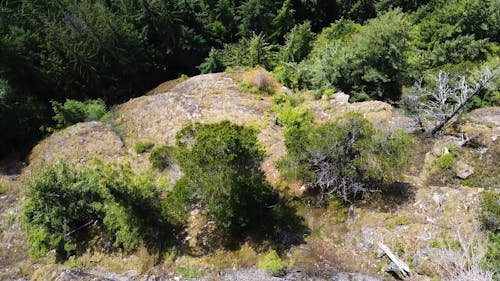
x=77, y=144
x=423, y=217
x=341, y=97
x=204, y=98
x=489, y=116
x=483, y=125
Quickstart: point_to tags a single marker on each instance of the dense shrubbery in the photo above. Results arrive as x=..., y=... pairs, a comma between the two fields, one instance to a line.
x=73, y=111
x=69, y=206
x=64, y=203
x=346, y=157
x=221, y=166
x=368, y=60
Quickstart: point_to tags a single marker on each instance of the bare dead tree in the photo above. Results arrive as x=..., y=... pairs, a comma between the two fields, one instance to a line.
x=436, y=107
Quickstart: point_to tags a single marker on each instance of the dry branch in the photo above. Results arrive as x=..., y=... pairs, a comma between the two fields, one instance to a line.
x=401, y=265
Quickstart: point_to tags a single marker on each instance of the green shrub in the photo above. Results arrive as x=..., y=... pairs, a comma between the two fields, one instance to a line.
x=345, y=157
x=447, y=160
x=287, y=74
x=363, y=61
x=272, y=264
x=490, y=211
x=73, y=111
x=177, y=202
x=163, y=157
x=298, y=43
x=60, y=200
x=221, y=166
x=292, y=117
x=63, y=203
x=132, y=209
x=141, y=147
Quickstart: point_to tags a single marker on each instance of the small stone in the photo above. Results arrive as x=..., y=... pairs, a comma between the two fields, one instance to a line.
x=438, y=198
x=463, y=170
x=341, y=97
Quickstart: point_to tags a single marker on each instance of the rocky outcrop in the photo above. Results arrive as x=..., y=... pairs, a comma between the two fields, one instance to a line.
x=77, y=144
x=205, y=98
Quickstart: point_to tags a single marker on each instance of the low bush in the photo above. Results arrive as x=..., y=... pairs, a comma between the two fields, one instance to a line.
x=447, y=160
x=288, y=116
x=346, y=157
x=73, y=111
x=64, y=203
x=163, y=157
x=272, y=264
x=60, y=200
x=141, y=147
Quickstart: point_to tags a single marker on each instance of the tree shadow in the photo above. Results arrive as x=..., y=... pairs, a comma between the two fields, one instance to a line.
x=272, y=222
x=280, y=228
x=390, y=197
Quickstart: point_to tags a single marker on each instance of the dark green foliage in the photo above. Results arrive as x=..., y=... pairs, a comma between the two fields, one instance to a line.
x=362, y=61
x=405, y=5
x=374, y=62
x=249, y=51
x=20, y=119
x=73, y=111
x=163, y=157
x=283, y=21
x=357, y=10
x=141, y=147
x=256, y=17
x=346, y=157
x=298, y=43
x=64, y=203
x=212, y=63
x=221, y=165
x=114, y=50
x=453, y=32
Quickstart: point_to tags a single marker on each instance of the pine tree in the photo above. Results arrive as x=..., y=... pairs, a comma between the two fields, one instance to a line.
x=283, y=22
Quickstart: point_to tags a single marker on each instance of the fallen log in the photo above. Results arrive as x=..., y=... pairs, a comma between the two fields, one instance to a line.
x=401, y=265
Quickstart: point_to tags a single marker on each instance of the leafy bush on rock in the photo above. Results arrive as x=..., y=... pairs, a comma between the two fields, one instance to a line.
x=346, y=157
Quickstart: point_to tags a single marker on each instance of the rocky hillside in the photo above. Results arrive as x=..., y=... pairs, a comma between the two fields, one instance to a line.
x=427, y=208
